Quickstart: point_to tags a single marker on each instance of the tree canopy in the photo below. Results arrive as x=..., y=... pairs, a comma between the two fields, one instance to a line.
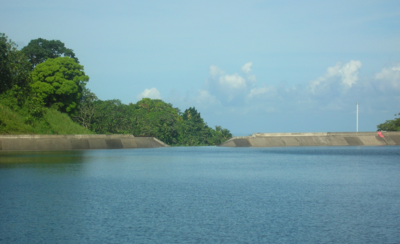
x=155, y=118
x=85, y=111
x=14, y=66
x=38, y=50
x=390, y=125
x=59, y=82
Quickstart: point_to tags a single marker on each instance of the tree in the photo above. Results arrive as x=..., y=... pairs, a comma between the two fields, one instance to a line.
x=112, y=117
x=390, y=125
x=59, y=82
x=191, y=114
x=220, y=135
x=86, y=108
x=38, y=50
x=153, y=117
x=194, y=131
x=14, y=66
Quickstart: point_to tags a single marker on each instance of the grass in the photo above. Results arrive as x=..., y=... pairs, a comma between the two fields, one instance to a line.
x=62, y=124
x=12, y=122
x=53, y=122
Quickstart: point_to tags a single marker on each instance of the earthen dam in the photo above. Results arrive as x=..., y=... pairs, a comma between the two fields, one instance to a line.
x=315, y=139
x=75, y=142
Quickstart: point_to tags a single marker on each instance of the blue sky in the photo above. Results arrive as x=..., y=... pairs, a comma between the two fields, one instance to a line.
x=249, y=66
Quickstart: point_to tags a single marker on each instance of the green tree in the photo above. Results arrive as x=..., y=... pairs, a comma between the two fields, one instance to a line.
x=112, y=117
x=193, y=130
x=220, y=135
x=86, y=108
x=390, y=125
x=38, y=50
x=155, y=118
x=14, y=66
x=59, y=82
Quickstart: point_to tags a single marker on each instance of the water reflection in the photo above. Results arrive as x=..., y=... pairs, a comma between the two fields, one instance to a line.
x=48, y=162
x=12, y=157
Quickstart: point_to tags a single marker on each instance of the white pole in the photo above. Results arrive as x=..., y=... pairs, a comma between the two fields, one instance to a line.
x=357, y=117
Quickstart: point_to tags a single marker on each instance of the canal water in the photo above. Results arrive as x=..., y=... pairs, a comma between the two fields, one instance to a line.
x=202, y=195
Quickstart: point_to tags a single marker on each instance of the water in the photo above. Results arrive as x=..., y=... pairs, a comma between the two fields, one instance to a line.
x=202, y=195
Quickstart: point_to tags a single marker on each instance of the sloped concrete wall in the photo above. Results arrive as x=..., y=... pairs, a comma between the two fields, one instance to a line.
x=75, y=142
x=315, y=139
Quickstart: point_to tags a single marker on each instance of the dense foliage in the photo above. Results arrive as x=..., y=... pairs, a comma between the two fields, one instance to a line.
x=14, y=67
x=39, y=50
x=390, y=125
x=59, y=82
x=153, y=117
x=51, y=122
x=43, y=87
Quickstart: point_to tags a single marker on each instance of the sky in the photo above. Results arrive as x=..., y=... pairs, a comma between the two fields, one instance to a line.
x=248, y=66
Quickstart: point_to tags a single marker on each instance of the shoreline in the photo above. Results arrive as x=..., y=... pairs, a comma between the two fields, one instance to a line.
x=390, y=138
x=75, y=142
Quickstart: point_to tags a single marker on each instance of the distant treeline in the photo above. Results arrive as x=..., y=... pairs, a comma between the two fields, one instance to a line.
x=43, y=87
x=390, y=125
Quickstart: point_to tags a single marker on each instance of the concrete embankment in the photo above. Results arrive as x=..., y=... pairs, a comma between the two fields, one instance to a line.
x=75, y=142
x=315, y=139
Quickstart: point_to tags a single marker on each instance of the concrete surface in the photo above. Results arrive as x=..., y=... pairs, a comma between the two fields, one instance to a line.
x=75, y=142
x=315, y=139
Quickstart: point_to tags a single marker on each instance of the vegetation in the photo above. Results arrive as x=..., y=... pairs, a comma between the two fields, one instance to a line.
x=53, y=122
x=155, y=118
x=39, y=50
x=390, y=125
x=58, y=83
x=43, y=91
x=14, y=67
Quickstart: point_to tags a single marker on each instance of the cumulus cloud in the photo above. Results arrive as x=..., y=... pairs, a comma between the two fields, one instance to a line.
x=388, y=79
x=392, y=74
x=344, y=75
x=262, y=91
x=215, y=71
x=204, y=98
x=349, y=72
x=337, y=89
x=152, y=93
x=234, y=81
x=229, y=88
x=247, y=67
x=333, y=90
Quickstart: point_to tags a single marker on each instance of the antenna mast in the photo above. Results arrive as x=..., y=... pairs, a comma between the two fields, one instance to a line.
x=357, y=117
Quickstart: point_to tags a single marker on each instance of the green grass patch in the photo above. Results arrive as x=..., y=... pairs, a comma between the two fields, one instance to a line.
x=52, y=122
x=62, y=124
x=13, y=123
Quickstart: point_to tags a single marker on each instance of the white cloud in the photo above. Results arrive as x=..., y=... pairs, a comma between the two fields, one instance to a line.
x=347, y=73
x=388, y=79
x=152, y=93
x=261, y=91
x=203, y=97
x=330, y=72
x=234, y=81
x=215, y=71
x=338, y=89
x=247, y=67
x=333, y=71
x=229, y=88
x=392, y=74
